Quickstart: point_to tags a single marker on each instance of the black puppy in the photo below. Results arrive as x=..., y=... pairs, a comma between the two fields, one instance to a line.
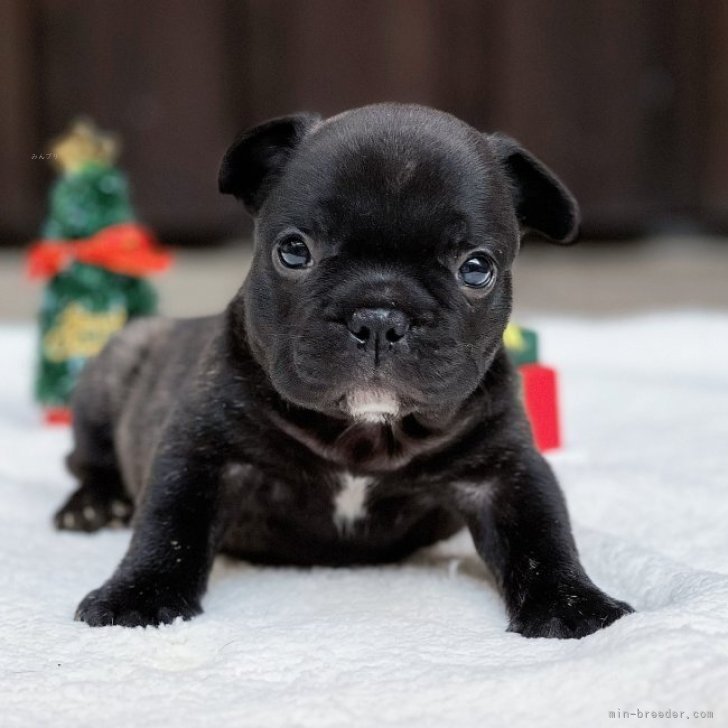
x=354, y=403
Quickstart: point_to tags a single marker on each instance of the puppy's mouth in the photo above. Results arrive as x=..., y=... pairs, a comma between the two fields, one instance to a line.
x=375, y=406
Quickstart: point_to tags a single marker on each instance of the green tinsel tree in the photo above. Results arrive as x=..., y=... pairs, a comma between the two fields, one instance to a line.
x=94, y=257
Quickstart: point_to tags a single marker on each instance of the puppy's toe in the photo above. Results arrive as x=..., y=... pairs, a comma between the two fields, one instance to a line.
x=166, y=615
x=93, y=611
x=121, y=513
x=79, y=518
x=131, y=618
x=572, y=612
x=128, y=605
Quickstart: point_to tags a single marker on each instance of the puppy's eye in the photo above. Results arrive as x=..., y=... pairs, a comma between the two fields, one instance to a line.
x=293, y=252
x=477, y=271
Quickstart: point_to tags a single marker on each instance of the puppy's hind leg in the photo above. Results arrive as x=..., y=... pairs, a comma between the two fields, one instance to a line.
x=100, y=499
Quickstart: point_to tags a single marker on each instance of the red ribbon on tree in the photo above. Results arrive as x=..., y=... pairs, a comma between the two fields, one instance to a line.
x=128, y=249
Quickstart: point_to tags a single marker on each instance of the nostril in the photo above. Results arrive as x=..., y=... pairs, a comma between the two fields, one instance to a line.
x=397, y=326
x=394, y=335
x=362, y=334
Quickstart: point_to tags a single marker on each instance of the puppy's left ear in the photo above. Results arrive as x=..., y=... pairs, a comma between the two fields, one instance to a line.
x=254, y=162
x=543, y=204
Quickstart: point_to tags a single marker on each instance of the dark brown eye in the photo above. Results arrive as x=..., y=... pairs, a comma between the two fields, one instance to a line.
x=293, y=252
x=478, y=271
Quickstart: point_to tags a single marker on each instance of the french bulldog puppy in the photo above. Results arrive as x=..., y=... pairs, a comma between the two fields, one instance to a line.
x=354, y=402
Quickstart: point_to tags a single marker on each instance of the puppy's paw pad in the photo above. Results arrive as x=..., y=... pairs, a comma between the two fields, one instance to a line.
x=86, y=511
x=573, y=613
x=128, y=606
x=121, y=511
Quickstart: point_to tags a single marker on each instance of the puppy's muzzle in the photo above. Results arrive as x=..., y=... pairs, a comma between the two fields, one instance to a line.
x=380, y=330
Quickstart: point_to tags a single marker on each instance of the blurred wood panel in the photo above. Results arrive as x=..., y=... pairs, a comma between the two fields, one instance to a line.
x=20, y=176
x=626, y=99
x=714, y=166
x=152, y=71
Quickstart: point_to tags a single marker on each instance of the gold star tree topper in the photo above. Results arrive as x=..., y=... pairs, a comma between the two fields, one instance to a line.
x=82, y=144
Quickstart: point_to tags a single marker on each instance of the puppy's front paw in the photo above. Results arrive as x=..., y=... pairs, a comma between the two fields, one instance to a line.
x=568, y=611
x=135, y=605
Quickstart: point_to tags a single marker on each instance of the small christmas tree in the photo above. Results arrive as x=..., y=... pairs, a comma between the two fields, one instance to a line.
x=94, y=257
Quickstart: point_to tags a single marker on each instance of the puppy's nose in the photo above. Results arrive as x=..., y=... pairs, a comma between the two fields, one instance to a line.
x=379, y=327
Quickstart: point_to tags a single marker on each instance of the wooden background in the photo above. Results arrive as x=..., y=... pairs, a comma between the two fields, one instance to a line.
x=626, y=99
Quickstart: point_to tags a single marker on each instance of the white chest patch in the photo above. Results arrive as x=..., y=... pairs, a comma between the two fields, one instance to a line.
x=349, y=502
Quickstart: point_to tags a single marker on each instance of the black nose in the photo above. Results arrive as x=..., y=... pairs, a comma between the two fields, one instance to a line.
x=380, y=327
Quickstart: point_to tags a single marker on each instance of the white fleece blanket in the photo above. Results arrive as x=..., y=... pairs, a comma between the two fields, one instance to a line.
x=645, y=409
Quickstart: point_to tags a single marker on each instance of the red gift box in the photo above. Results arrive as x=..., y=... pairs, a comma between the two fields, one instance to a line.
x=541, y=401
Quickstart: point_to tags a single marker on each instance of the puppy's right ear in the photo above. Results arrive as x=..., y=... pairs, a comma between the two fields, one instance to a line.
x=254, y=162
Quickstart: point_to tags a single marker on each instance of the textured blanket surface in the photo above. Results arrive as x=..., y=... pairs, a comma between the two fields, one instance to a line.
x=645, y=472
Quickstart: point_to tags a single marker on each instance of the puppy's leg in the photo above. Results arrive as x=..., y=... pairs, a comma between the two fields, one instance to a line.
x=165, y=570
x=100, y=498
x=521, y=529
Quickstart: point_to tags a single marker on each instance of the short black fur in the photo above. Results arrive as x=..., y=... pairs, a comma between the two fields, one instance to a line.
x=373, y=366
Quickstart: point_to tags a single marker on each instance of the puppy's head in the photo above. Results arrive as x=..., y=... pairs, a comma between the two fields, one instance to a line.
x=381, y=284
